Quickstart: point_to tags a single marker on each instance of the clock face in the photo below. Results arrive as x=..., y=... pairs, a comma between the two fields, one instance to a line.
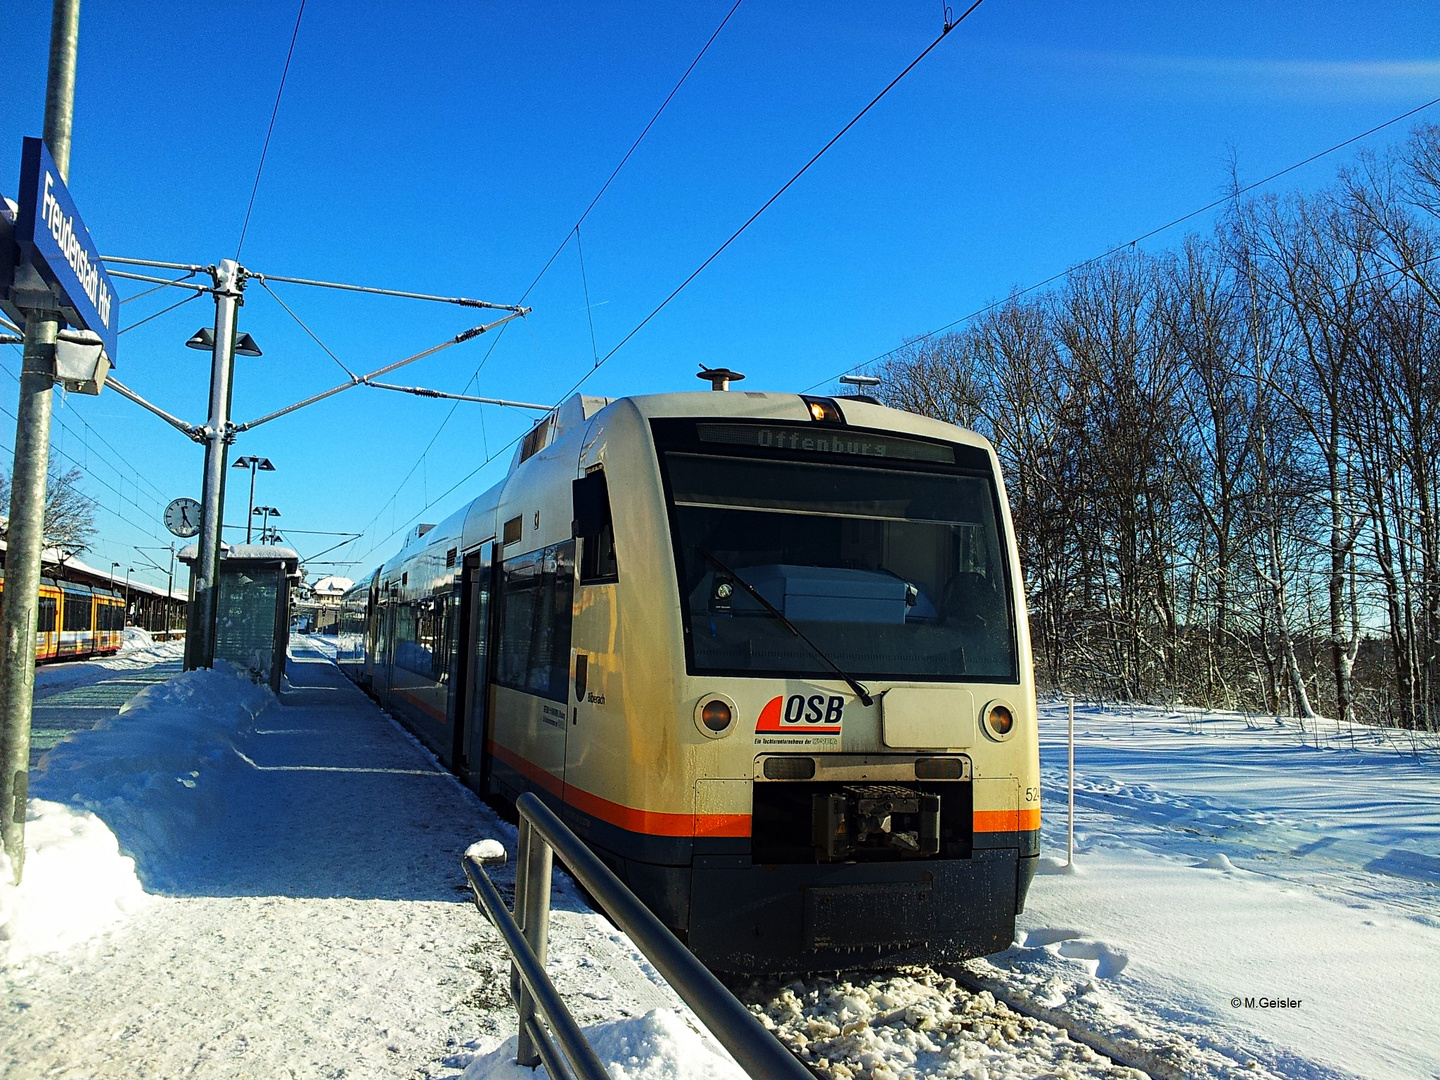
x=182, y=517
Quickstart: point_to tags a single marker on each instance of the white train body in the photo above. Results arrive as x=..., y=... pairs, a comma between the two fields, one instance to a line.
x=650, y=622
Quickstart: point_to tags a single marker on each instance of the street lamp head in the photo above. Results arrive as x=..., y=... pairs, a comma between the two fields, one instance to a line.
x=264, y=465
x=204, y=339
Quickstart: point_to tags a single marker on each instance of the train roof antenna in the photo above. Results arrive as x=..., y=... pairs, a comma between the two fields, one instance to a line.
x=719, y=378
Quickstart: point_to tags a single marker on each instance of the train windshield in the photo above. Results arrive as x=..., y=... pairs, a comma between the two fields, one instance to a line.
x=892, y=573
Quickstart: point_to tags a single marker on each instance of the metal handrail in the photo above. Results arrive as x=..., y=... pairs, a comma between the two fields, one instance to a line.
x=754, y=1049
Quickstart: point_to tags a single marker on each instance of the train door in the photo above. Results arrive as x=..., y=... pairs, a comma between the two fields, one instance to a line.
x=385, y=643
x=473, y=682
x=47, y=628
x=370, y=660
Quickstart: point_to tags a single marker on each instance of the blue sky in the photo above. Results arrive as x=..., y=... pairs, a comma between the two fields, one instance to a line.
x=449, y=148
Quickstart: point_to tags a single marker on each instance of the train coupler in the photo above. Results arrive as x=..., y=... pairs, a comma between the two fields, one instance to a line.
x=875, y=820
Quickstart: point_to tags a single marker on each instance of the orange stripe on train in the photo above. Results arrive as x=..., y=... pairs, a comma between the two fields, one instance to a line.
x=649, y=822
x=655, y=823
x=1006, y=820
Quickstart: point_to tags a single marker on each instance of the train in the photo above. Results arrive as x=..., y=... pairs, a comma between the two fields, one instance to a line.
x=75, y=621
x=766, y=653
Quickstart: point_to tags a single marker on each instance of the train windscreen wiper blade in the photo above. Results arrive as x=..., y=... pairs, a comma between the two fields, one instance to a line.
x=860, y=691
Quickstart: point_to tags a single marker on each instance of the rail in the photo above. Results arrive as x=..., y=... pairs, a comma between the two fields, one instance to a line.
x=568, y=1056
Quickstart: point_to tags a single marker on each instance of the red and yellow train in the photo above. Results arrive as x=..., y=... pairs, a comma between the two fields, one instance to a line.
x=76, y=620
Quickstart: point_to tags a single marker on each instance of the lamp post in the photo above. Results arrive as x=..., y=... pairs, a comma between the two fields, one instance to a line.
x=264, y=513
x=252, y=463
x=169, y=590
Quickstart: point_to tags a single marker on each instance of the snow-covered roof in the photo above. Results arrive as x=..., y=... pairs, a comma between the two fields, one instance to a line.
x=52, y=559
x=242, y=551
x=331, y=585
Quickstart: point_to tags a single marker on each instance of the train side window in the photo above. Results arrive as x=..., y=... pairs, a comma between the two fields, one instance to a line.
x=45, y=624
x=76, y=612
x=535, y=604
x=595, y=528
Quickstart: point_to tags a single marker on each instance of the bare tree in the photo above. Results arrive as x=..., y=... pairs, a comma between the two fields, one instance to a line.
x=1222, y=463
x=69, y=512
x=935, y=377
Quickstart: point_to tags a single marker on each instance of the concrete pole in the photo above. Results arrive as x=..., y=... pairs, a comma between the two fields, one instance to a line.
x=200, y=624
x=26, y=536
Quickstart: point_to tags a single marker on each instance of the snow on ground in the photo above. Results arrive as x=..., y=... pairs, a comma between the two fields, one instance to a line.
x=657, y=1046
x=1222, y=858
x=1292, y=870
x=272, y=888
x=77, y=884
x=138, y=651
x=303, y=909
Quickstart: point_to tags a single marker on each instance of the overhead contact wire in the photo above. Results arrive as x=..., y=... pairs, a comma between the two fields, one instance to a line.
x=1229, y=197
x=265, y=150
x=949, y=26
x=574, y=231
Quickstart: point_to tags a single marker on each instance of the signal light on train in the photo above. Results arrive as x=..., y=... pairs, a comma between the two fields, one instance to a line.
x=999, y=720
x=823, y=410
x=715, y=715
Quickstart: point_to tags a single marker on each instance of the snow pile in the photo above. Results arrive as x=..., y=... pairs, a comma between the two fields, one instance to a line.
x=152, y=773
x=77, y=884
x=486, y=850
x=917, y=1024
x=135, y=638
x=656, y=1046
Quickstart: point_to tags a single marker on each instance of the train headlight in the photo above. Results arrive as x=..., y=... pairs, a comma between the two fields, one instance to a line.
x=998, y=720
x=715, y=716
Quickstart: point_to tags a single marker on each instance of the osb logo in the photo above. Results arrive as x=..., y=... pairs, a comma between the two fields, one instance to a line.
x=797, y=714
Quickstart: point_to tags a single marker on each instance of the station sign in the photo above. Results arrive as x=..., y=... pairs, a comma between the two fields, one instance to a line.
x=53, y=238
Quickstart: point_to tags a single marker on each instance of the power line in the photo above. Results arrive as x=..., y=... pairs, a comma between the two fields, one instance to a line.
x=438, y=498
x=100, y=480
x=585, y=286
x=1230, y=197
x=270, y=130
x=574, y=231
x=266, y=286
x=949, y=25
x=157, y=288
x=162, y=311
x=633, y=146
x=133, y=469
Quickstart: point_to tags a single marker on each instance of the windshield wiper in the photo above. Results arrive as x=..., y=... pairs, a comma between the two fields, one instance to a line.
x=860, y=691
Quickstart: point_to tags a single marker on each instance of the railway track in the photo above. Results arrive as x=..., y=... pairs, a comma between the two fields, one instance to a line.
x=976, y=1021
x=918, y=1022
